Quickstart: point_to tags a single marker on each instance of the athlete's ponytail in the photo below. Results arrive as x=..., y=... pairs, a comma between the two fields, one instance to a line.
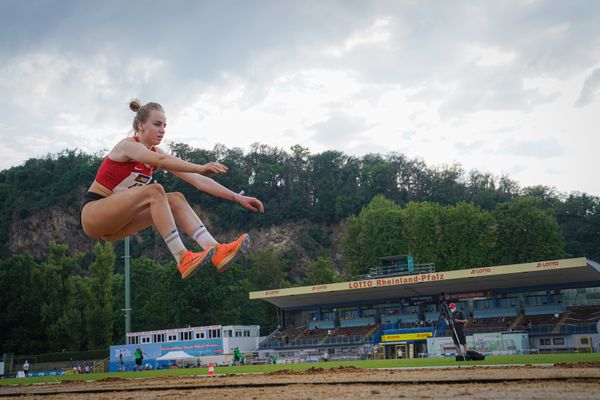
x=142, y=112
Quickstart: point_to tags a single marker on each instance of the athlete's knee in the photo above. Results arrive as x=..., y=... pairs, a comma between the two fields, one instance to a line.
x=90, y=232
x=92, y=235
x=156, y=191
x=176, y=199
x=109, y=238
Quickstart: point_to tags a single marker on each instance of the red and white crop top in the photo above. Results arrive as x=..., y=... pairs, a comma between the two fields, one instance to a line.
x=117, y=176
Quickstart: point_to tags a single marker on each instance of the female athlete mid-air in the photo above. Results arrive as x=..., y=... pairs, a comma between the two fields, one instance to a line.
x=123, y=199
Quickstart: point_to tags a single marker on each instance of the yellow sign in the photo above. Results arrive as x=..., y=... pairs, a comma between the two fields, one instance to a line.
x=417, y=279
x=400, y=337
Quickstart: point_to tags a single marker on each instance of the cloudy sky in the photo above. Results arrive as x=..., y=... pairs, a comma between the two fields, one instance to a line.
x=507, y=87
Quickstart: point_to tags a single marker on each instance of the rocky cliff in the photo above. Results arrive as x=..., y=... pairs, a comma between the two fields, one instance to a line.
x=303, y=241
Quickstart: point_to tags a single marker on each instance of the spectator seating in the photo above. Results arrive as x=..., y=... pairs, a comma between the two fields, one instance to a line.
x=544, y=309
x=302, y=336
x=408, y=318
x=492, y=324
x=365, y=321
x=583, y=315
x=432, y=315
x=497, y=312
x=538, y=324
x=323, y=324
x=390, y=319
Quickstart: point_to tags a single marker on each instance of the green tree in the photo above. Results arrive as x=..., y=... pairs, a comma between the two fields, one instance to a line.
x=61, y=314
x=99, y=312
x=153, y=306
x=21, y=330
x=466, y=237
x=266, y=271
x=452, y=237
x=579, y=220
x=422, y=230
x=376, y=232
x=527, y=233
x=321, y=270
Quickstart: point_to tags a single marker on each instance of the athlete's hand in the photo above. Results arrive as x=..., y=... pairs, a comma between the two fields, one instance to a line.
x=212, y=168
x=250, y=203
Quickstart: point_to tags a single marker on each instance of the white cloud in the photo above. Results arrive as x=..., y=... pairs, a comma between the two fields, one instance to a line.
x=378, y=34
x=542, y=148
x=338, y=129
x=590, y=89
x=467, y=148
x=140, y=70
x=490, y=85
x=487, y=56
x=516, y=169
x=32, y=79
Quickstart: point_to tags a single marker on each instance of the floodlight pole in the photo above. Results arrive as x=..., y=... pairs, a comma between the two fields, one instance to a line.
x=127, y=308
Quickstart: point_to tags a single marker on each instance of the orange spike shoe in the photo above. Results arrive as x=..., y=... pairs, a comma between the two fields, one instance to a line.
x=192, y=262
x=226, y=252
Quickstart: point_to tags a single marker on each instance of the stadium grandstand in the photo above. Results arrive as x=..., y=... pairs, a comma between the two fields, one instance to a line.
x=546, y=306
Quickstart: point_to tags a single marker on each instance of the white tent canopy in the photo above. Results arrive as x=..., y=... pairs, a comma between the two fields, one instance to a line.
x=175, y=355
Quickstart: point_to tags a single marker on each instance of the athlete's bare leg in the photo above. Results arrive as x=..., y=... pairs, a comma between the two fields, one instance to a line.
x=107, y=217
x=184, y=215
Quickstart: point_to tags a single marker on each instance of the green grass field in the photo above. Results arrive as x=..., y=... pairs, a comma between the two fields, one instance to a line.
x=412, y=363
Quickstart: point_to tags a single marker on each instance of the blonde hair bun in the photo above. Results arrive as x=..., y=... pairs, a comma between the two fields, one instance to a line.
x=135, y=105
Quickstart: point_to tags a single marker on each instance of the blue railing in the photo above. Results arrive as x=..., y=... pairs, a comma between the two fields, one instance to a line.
x=322, y=341
x=496, y=312
x=545, y=329
x=356, y=322
x=544, y=309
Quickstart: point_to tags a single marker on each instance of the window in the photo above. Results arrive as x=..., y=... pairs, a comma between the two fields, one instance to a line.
x=186, y=335
x=172, y=338
x=481, y=304
x=247, y=333
x=507, y=302
x=410, y=310
x=428, y=308
x=370, y=312
x=145, y=339
x=537, y=300
x=238, y=333
x=559, y=341
x=198, y=335
x=545, y=342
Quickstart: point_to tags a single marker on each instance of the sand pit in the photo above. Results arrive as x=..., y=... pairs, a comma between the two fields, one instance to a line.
x=573, y=381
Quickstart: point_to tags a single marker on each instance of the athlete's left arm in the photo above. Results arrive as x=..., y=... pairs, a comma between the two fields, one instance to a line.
x=214, y=188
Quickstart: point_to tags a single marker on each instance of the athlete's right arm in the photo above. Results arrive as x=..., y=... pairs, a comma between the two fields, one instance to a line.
x=127, y=150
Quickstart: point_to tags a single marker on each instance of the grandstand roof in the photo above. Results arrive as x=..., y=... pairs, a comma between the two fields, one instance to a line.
x=550, y=273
